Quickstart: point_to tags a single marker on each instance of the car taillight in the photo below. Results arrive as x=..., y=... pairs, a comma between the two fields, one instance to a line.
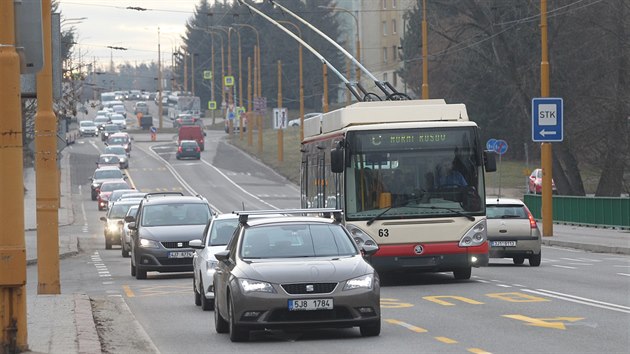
x=179, y=149
x=198, y=149
x=532, y=221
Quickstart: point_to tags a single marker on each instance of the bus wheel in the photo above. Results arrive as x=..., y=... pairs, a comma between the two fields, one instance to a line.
x=462, y=273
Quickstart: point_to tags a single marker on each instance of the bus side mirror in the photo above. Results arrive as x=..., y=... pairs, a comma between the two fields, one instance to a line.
x=489, y=161
x=336, y=160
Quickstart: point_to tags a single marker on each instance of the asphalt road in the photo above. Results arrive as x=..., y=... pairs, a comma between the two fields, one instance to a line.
x=575, y=302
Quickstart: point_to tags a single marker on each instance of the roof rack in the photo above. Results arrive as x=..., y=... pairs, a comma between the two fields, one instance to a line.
x=162, y=194
x=243, y=215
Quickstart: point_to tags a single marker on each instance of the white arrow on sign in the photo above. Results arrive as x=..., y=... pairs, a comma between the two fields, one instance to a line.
x=545, y=132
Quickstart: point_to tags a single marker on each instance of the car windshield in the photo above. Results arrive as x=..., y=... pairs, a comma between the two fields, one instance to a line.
x=175, y=214
x=108, y=187
x=87, y=124
x=132, y=211
x=111, y=128
x=117, y=150
x=113, y=159
x=108, y=174
x=506, y=212
x=222, y=231
x=296, y=241
x=189, y=144
x=100, y=119
x=117, y=140
x=118, y=211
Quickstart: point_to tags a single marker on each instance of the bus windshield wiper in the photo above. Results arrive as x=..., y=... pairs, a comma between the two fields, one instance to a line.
x=381, y=214
x=467, y=216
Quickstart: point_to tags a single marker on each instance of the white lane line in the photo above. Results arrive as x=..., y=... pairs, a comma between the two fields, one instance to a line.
x=108, y=282
x=561, y=266
x=624, y=274
x=581, y=264
x=572, y=259
x=580, y=300
x=504, y=285
x=483, y=281
x=622, y=266
x=518, y=285
x=590, y=260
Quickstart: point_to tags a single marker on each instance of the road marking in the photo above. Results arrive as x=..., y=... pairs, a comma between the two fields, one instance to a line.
x=437, y=300
x=128, y=291
x=504, y=285
x=446, y=340
x=580, y=300
x=561, y=266
x=555, y=323
x=406, y=325
x=572, y=259
x=622, y=266
x=516, y=297
x=624, y=274
x=478, y=351
x=394, y=304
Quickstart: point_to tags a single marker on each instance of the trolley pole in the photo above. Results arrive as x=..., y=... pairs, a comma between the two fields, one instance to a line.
x=546, y=153
x=280, y=130
x=13, y=325
x=46, y=170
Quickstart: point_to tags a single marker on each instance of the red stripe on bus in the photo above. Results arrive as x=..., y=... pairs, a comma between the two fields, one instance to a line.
x=429, y=249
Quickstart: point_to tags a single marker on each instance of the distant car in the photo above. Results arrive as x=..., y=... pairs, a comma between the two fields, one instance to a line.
x=117, y=194
x=109, y=129
x=535, y=183
x=104, y=174
x=108, y=160
x=140, y=107
x=512, y=231
x=185, y=119
x=296, y=122
x=120, y=139
x=161, y=230
x=114, y=221
x=106, y=190
x=88, y=128
x=121, y=153
x=294, y=272
x=120, y=109
x=100, y=121
x=188, y=149
x=192, y=132
x=119, y=120
x=125, y=238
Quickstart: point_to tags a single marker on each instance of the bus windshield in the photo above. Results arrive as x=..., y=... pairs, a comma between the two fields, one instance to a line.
x=413, y=173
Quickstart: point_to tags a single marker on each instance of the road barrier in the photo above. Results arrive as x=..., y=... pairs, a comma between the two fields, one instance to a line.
x=587, y=211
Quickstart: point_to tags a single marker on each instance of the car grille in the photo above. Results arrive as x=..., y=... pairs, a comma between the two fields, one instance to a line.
x=318, y=288
x=168, y=244
x=175, y=261
x=337, y=313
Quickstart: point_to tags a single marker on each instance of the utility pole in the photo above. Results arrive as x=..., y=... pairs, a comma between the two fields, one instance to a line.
x=160, y=108
x=249, y=100
x=13, y=323
x=46, y=170
x=280, y=130
x=425, y=53
x=325, y=96
x=546, y=153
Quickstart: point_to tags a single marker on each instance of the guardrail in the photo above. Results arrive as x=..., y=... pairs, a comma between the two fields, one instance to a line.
x=587, y=211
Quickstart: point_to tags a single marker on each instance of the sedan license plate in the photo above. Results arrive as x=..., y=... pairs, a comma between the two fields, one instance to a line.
x=503, y=244
x=181, y=254
x=310, y=304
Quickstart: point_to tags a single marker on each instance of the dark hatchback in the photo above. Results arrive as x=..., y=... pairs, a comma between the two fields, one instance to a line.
x=188, y=149
x=161, y=230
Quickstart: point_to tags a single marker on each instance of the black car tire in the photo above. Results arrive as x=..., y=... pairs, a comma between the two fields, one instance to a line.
x=206, y=304
x=140, y=273
x=534, y=261
x=93, y=195
x=108, y=243
x=197, y=295
x=220, y=324
x=124, y=251
x=133, y=269
x=462, y=273
x=237, y=333
x=518, y=260
x=371, y=330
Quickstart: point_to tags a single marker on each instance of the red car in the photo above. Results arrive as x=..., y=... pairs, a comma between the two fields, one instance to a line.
x=106, y=190
x=535, y=183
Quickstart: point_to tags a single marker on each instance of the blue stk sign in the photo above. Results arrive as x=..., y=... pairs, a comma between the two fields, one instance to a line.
x=547, y=121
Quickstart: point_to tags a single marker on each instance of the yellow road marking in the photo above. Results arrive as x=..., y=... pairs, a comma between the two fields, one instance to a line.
x=446, y=340
x=406, y=325
x=128, y=291
x=543, y=322
x=437, y=300
x=163, y=290
x=517, y=297
x=133, y=185
x=478, y=351
x=394, y=304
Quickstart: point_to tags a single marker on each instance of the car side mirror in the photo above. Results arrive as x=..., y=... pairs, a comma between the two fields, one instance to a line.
x=369, y=249
x=132, y=225
x=129, y=218
x=204, y=134
x=490, y=161
x=222, y=256
x=102, y=218
x=196, y=244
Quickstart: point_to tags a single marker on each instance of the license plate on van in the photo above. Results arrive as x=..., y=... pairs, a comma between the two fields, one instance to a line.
x=502, y=243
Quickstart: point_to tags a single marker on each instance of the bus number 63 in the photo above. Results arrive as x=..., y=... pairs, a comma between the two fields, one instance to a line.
x=383, y=232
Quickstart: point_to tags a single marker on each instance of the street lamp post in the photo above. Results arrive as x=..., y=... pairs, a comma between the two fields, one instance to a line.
x=301, y=83
x=257, y=87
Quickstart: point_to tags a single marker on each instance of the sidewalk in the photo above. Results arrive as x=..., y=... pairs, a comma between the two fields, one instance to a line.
x=65, y=324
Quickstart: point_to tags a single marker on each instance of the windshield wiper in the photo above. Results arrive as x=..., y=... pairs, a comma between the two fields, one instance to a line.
x=467, y=216
x=381, y=214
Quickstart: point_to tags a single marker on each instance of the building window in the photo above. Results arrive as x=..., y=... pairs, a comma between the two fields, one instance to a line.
x=395, y=79
x=384, y=4
x=385, y=55
x=395, y=53
x=393, y=4
x=384, y=28
x=394, y=27
x=384, y=76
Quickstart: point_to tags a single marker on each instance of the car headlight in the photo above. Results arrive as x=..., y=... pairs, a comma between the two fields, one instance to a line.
x=476, y=236
x=95, y=185
x=111, y=227
x=254, y=285
x=123, y=160
x=149, y=243
x=362, y=282
x=211, y=264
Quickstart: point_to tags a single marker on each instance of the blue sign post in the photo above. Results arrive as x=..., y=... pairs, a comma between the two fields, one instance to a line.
x=547, y=121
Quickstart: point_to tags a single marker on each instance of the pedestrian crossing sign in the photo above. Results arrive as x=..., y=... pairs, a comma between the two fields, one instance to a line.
x=212, y=105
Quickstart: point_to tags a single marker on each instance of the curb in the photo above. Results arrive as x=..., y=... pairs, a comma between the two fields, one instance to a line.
x=87, y=337
x=588, y=247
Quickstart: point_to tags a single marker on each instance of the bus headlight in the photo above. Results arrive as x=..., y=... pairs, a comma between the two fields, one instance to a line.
x=476, y=236
x=360, y=236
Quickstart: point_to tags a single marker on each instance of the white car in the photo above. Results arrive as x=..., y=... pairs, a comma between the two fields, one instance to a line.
x=125, y=238
x=88, y=128
x=512, y=231
x=296, y=122
x=119, y=120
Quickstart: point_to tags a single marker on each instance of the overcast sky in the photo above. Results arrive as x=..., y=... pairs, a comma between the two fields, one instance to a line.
x=109, y=23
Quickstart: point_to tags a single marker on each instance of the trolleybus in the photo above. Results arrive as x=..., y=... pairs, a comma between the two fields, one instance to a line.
x=409, y=177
